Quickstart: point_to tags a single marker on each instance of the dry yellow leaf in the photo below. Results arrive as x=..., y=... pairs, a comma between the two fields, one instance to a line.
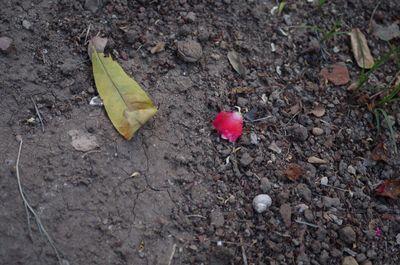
x=360, y=48
x=127, y=105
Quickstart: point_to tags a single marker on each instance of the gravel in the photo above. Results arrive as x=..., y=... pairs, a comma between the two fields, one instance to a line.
x=347, y=234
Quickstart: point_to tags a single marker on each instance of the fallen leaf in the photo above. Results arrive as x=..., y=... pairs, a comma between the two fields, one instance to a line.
x=386, y=33
x=229, y=125
x=360, y=49
x=318, y=111
x=294, y=171
x=5, y=44
x=159, y=47
x=389, y=188
x=236, y=63
x=243, y=90
x=379, y=153
x=82, y=141
x=337, y=74
x=127, y=105
x=316, y=160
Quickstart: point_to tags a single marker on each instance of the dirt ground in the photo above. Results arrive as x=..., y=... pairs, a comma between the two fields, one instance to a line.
x=177, y=193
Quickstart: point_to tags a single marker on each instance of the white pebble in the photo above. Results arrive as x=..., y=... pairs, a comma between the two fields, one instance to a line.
x=324, y=181
x=261, y=203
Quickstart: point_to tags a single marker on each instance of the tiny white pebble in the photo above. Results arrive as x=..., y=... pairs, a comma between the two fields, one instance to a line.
x=261, y=203
x=324, y=181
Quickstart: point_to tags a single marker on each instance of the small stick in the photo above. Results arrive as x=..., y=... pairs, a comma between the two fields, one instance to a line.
x=38, y=114
x=372, y=15
x=306, y=223
x=87, y=34
x=330, y=186
x=243, y=252
x=196, y=215
x=172, y=254
x=28, y=207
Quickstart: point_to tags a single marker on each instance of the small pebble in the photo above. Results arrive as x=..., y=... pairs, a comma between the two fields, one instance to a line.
x=275, y=148
x=189, y=50
x=317, y=131
x=349, y=260
x=26, y=24
x=347, y=234
x=351, y=170
x=324, y=181
x=261, y=203
x=265, y=185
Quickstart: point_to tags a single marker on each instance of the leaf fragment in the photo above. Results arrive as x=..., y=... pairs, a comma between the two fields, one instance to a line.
x=389, y=188
x=236, y=62
x=379, y=153
x=316, y=160
x=127, y=105
x=337, y=74
x=294, y=171
x=361, y=52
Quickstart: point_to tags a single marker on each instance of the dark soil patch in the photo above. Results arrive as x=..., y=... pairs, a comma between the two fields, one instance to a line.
x=185, y=191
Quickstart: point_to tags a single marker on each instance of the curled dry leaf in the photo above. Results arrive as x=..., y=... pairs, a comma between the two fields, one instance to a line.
x=337, y=74
x=318, y=111
x=294, y=171
x=389, y=188
x=379, y=153
x=159, y=47
x=236, y=62
x=361, y=52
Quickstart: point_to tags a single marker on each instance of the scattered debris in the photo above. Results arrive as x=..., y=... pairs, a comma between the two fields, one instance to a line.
x=389, y=188
x=286, y=213
x=337, y=74
x=318, y=111
x=316, y=160
x=294, y=171
x=236, y=62
x=229, y=125
x=26, y=24
x=261, y=203
x=159, y=47
x=386, y=33
x=361, y=50
x=379, y=152
x=275, y=148
x=243, y=90
x=82, y=141
x=96, y=101
x=189, y=51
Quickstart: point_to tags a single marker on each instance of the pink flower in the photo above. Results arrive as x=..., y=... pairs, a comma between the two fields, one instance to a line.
x=378, y=232
x=229, y=125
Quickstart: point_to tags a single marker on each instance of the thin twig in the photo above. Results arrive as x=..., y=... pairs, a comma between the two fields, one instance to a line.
x=372, y=15
x=306, y=223
x=38, y=114
x=28, y=207
x=243, y=252
x=196, y=215
x=87, y=34
x=172, y=254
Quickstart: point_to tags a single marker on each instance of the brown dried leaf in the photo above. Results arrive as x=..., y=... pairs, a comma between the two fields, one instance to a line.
x=318, y=111
x=389, y=188
x=243, y=90
x=360, y=49
x=379, y=153
x=337, y=74
x=160, y=46
x=294, y=171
